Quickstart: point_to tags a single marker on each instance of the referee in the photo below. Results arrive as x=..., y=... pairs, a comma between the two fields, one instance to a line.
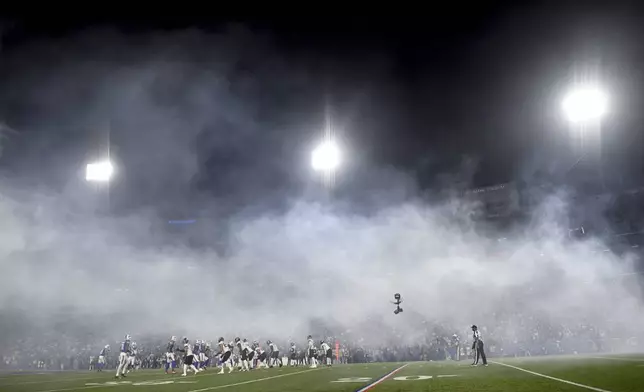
x=478, y=346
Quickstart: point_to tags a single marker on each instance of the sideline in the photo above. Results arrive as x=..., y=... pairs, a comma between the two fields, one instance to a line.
x=381, y=379
x=552, y=378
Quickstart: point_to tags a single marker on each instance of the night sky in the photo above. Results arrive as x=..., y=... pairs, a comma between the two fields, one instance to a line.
x=448, y=95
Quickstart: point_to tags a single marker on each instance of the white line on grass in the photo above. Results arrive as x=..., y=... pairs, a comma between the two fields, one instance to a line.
x=251, y=381
x=104, y=385
x=69, y=379
x=552, y=378
x=619, y=359
x=381, y=379
x=77, y=388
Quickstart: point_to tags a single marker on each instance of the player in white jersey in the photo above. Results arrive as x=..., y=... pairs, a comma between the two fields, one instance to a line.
x=244, y=350
x=326, y=352
x=131, y=360
x=123, y=357
x=224, y=356
x=261, y=357
x=249, y=352
x=188, y=358
x=312, y=352
x=274, y=351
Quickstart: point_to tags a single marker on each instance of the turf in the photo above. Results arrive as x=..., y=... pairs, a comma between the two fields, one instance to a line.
x=605, y=373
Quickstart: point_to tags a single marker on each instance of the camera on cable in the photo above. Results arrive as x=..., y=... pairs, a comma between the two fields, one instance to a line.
x=397, y=301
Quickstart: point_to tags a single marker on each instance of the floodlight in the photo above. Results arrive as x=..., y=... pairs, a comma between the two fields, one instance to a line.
x=326, y=157
x=585, y=104
x=99, y=171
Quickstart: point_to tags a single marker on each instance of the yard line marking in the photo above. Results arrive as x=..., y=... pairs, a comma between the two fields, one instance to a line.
x=77, y=388
x=619, y=359
x=552, y=378
x=68, y=379
x=249, y=381
x=381, y=379
x=93, y=386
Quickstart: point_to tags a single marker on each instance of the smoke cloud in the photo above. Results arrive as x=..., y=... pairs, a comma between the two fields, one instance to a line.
x=206, y=124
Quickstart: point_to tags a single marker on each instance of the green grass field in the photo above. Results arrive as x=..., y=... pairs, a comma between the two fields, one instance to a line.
x=551, y=374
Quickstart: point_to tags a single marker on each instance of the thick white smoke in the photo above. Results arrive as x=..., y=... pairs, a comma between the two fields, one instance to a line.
x=184, y=108
x=308, y=263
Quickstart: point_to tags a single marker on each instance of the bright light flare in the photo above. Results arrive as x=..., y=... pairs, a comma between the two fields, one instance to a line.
x=326, y=157
x=99, y=171
x=585, y=104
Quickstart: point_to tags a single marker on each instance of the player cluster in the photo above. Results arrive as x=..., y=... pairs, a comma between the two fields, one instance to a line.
x=239, y=353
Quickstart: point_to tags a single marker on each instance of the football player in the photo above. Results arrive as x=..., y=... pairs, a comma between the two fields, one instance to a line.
x=274, y=354
x=478, y=346
x=312, y=352
x=261, y=356
x=170, y=362
x=131, y=362
x=244, y=350
x=250, y=354
x=224, y=356
x=293, y=355
x=102, y=356
x=196, y=352
x=188, y=358
x=204, y=352
x=123, y=357
x=326, y=352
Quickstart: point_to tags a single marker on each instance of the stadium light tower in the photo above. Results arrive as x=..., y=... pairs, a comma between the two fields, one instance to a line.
x=585, y=104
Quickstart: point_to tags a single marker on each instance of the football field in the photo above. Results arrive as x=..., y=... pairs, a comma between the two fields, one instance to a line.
x=624, y=373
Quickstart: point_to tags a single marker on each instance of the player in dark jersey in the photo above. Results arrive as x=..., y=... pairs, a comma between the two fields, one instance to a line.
x=170, y=361
x=292, y=355
x=301, y=357
x=207, y=352
x=124, y=355
x=102, y=358
x=196, y=351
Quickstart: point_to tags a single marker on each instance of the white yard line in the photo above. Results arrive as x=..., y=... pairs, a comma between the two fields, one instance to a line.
x=77, y=388
x=619, y=359
x=552, y=378
x=69, y=379
x=381, y=379
x=102, y=385
x=246, y=382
